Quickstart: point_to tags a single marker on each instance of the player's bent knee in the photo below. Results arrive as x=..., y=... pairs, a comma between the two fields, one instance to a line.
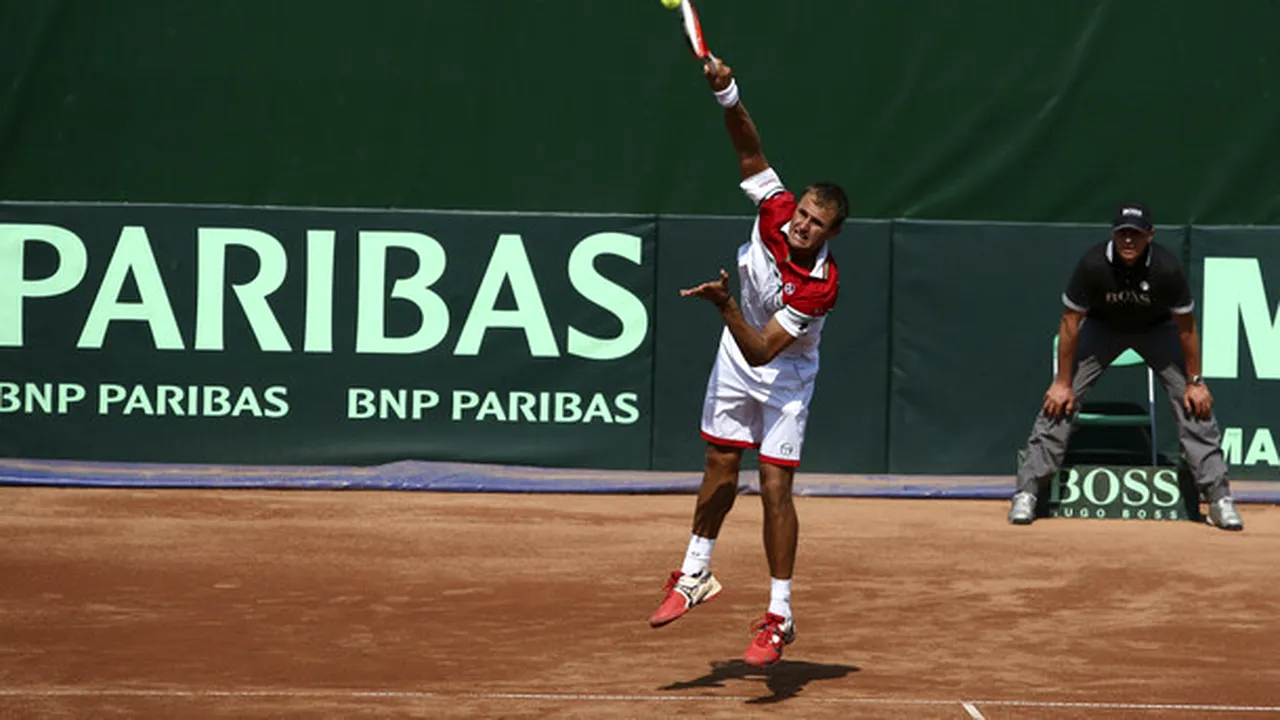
x=775, y=482
x=723, y=458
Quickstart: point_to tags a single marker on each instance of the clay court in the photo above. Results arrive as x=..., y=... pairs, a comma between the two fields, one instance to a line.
x=312, y=604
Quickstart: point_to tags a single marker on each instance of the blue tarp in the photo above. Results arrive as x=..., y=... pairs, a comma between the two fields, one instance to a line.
x=474, y=477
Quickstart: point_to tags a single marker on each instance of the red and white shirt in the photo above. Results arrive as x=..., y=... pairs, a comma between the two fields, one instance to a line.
x=775, y=287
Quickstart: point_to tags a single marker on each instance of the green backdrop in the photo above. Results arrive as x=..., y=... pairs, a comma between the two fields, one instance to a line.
x=982, y=110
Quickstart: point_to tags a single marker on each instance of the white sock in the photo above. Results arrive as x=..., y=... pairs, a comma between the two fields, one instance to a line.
x=780, y=597
x=698, y=557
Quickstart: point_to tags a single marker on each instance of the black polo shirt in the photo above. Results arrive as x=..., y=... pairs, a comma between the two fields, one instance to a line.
x=1129, y=299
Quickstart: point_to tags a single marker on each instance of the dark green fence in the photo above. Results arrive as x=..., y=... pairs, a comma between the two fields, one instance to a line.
x=255, y=335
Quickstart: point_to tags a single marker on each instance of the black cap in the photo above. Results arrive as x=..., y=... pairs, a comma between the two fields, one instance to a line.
x=1132, y=215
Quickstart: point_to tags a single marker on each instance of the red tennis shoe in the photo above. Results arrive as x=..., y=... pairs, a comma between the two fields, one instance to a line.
x=683, y=592
x=773, y=632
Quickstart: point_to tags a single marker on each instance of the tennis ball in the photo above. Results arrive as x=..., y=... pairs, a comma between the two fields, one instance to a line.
x=671, y=4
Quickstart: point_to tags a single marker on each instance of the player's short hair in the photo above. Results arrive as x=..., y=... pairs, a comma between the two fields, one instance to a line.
x=830, y=195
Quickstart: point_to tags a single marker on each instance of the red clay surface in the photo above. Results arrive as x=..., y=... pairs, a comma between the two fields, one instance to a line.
x=256, y=604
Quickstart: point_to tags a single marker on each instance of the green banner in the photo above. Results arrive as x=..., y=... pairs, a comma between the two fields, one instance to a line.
x=210, y=334
x=1236, y=281
x=311, y=336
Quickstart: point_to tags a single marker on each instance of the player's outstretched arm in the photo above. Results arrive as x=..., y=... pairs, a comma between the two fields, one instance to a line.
x=758, y=347
x=742, y=130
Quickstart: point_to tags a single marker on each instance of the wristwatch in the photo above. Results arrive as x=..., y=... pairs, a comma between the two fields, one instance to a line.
x=1196, y=380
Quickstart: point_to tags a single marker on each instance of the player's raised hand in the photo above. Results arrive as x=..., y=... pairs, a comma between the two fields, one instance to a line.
x=1059, y=400
x=717, y=73
x=715, y=292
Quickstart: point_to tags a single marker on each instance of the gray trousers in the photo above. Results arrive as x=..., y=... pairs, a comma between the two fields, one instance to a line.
x=1098, y=347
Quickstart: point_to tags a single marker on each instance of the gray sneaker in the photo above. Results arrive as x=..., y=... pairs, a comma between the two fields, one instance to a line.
x=1223, y=514
x=1023, y=510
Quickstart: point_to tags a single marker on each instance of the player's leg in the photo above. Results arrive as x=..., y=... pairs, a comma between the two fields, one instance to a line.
x=779, y=456
x=1047, y=445
x=715, y=496
x=694, y=584
x=730, y=424
x=781, y=532
x=1201, y=440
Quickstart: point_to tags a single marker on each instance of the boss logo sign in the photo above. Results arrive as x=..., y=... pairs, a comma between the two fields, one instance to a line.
x=1125, y=492
x=1128, y=297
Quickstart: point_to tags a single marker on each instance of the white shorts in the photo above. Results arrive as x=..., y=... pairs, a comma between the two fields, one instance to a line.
x=767, y=412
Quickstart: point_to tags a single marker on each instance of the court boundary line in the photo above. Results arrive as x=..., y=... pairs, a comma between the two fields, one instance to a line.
x=970, y=706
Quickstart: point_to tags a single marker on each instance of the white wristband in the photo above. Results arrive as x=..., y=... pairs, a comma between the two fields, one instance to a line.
x=728, y=97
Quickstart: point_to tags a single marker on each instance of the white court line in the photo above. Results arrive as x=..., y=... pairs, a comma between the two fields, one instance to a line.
x=1131, y=706
x=973, y=711
x=970, y=706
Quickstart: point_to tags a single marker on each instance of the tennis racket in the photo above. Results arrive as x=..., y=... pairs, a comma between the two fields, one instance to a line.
x=693, y=32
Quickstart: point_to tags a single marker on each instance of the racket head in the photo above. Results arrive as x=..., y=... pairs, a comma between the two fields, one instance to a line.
x=693, y=31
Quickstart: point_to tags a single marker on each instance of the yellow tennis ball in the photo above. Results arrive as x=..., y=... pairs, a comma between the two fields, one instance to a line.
x=671, y=4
